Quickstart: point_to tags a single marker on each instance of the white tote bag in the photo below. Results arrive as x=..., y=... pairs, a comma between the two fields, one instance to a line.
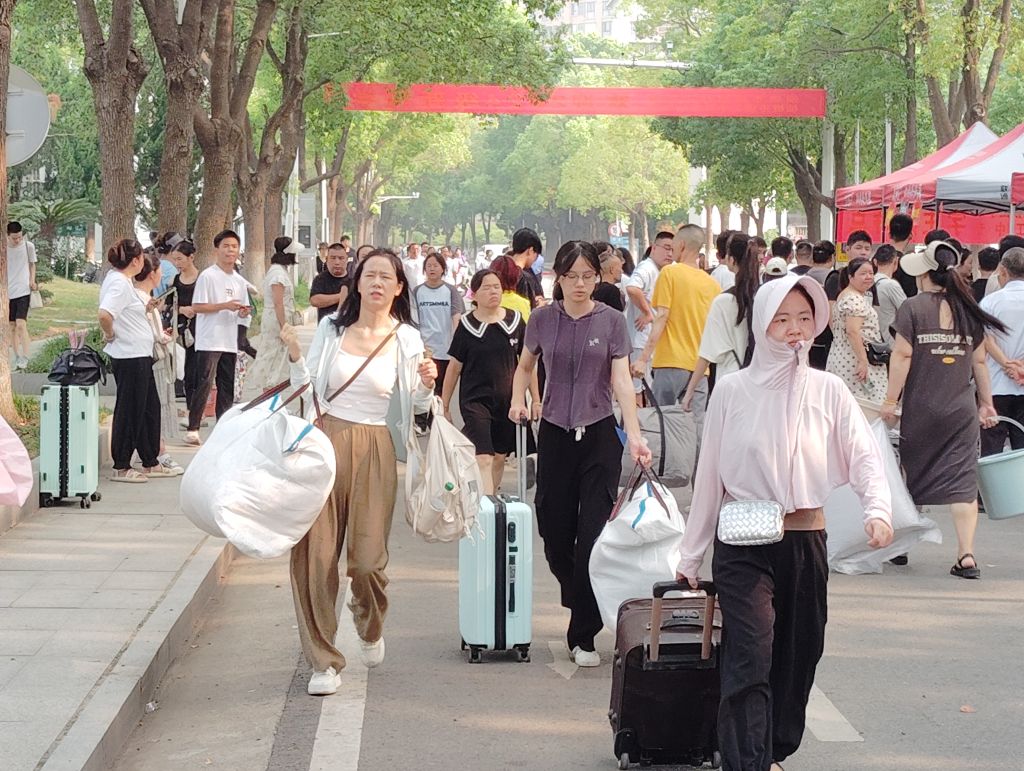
x=442, y=484
x=262, y=477
x=638, y=547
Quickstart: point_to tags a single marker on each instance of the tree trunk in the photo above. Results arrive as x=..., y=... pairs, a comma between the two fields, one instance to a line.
x=176, y=158
x=253, y=204
x=215, y=212
x=116, y=71
x=7, y=410
x=90, y=241
x=910, y=144
x=487, y=227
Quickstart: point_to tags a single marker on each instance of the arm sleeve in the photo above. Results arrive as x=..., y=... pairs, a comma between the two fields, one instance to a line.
x=202, y=291
x=275, y=278
x=316, y=287
x=30, y=251
x=532, y=337
x=863, y=459
x=619, y=345
x=662, y=297
x=116, y=299
x=904, y=323
x=708, y=489
x=715, y=345
x=458, y=304
x=457, y=350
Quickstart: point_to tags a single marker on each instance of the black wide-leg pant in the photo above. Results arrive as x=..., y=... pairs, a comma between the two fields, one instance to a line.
x=774, y=609
x=136, y=426
x=577, y=483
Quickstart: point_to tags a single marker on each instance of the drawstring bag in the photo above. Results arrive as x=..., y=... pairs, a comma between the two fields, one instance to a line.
x=442, y=484
x=638, y=547
x=262, y=478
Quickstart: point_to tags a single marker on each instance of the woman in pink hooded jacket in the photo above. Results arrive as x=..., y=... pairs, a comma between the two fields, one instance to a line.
x=778, y=431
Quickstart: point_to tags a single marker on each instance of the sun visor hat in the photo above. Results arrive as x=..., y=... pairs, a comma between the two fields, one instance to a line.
x=294, y=247
x=938, y=255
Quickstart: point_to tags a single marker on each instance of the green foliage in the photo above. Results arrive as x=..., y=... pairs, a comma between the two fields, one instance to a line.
x=42, y=362
x=27, y=426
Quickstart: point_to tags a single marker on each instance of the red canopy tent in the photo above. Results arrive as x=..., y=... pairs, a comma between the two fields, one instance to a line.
x=1016, y=198
x=867, y=206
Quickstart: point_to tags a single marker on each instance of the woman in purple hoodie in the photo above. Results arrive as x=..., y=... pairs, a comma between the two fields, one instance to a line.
x=585, y=345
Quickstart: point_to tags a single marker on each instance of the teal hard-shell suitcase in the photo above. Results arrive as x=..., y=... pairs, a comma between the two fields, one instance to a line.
x=69, y=430
x=496, y=573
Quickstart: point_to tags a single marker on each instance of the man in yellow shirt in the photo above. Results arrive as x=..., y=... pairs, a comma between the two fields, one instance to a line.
x=682, y=298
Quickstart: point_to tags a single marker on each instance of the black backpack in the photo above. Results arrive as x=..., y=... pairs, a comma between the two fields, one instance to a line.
x=78, y=367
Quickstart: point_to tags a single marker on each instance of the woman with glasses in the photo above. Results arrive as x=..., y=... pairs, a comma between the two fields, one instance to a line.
x=585, y=346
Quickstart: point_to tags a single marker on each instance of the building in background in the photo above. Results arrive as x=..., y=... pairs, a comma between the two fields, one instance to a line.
x=614, y=19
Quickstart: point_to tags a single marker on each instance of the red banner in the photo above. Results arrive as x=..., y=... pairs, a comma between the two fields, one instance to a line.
x=661, y=102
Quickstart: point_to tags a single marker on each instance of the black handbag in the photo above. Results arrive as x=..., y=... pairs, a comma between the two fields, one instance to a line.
x=78, y=367
x=878, y=353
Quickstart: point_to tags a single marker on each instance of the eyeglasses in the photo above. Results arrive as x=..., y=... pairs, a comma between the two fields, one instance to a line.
x=575, y=278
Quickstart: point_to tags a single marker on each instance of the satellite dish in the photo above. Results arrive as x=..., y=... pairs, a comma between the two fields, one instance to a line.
x=28, y=116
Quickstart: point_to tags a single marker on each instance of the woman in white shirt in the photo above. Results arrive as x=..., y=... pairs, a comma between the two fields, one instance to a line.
x=726, y=341
x=370, y=358
x=271, y=365
x=123, y=317
x=778, y=431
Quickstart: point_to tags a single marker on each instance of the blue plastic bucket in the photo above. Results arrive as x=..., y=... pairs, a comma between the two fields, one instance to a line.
x=1001, y=480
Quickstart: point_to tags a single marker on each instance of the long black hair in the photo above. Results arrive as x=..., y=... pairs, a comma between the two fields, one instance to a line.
x=280, y=257
x=401, y=306
x=566, y=257
x=959, y=294
x=743, y=250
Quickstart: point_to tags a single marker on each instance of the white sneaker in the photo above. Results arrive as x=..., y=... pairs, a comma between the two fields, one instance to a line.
x=324, y=683
x=20, y=362
x=585, y=658
x=170, y=464
x=192, y=438
x=372, y=654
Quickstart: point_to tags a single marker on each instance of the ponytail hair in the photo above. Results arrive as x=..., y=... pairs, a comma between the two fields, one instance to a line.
x=851, y=269
x=743, y=251
x=959, y=295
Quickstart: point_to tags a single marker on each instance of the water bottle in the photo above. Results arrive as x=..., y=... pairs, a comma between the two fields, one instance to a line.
x=437, y=502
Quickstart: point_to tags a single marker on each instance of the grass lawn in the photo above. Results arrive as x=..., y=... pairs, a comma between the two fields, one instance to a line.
x=74, y=304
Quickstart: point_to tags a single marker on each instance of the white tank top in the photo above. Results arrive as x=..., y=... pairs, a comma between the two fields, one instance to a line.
x=366, y=401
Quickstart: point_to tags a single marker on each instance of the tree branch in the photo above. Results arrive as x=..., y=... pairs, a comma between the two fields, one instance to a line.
x=89, y=24
x=265, y=12
x=121, y=29
x=1005, y=16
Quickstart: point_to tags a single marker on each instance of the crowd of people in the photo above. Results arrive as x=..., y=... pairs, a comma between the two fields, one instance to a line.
x=778, y=350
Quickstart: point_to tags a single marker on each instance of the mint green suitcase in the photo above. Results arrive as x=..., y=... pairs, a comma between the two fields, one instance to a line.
x=69, y=431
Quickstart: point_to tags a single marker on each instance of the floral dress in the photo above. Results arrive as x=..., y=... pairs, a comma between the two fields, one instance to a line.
x=841, y=358
x=271, y=365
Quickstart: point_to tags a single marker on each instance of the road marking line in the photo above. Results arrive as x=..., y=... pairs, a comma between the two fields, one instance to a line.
x=562, y=664
x=339, y=734
x=826, y=722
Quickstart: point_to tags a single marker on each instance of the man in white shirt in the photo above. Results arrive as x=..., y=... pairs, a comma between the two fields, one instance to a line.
x=721, y=273
x=220, y=301
x=1006, y=353
x=21, y=282
x=413, y=266
x=887, y=293
x=639, y=291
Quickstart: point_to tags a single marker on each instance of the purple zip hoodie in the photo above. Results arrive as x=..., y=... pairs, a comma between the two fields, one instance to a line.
x=577, y=357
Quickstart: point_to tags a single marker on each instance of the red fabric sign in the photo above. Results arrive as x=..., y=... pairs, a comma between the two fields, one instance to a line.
x=968, y=228
x=662, y=102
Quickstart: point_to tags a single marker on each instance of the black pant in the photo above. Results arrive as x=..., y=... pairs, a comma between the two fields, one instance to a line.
x=442, y=368
x=577, y=482
x=191, y=380
x=774, y=608
x=136, y=413
x=994, y=439
x=212, y=364
x=244, y=346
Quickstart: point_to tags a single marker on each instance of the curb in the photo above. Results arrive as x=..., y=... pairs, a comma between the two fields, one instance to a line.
x=95, y=736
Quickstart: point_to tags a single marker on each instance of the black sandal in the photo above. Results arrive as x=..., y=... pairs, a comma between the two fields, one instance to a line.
x=960, y=571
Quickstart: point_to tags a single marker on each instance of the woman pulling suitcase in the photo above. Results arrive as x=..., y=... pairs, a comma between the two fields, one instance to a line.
x=585, y=346
x=777, y=432
x=369, y=358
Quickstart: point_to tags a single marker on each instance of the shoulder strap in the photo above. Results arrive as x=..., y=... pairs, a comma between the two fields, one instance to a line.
x=363, y=366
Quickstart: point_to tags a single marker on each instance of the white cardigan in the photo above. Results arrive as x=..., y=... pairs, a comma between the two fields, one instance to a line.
x=410, y=394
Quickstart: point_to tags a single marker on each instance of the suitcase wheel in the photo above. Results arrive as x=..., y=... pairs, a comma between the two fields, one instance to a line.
x=85, y=503
x=624, y=760
x=46, y=500
x=523, y=651
x=475, y=656
x=464, y=646
x=97, y=496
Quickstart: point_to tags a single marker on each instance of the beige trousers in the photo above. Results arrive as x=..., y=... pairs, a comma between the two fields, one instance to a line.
x=357, y=516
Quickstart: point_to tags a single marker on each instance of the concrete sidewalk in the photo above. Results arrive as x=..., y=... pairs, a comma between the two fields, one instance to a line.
x=95, y=605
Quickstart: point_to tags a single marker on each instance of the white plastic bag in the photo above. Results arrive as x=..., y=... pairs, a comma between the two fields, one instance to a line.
x=442, y=484
x=848, y=550
x=260, y=480
x=638, y=547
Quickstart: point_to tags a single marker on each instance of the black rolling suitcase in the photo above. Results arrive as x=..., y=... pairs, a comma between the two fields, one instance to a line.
x=665, y=679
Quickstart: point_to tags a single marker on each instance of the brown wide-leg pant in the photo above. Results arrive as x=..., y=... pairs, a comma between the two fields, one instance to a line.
x=357, y=515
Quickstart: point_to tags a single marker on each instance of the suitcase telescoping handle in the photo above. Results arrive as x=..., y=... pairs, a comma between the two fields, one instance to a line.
x=521, y=447
x=664, y=587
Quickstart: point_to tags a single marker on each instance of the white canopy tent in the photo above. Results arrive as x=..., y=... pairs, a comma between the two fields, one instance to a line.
x=984, y=185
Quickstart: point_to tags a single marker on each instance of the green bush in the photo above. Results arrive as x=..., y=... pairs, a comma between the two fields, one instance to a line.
x=44, y=273
x=42, y=362
x=27, y=427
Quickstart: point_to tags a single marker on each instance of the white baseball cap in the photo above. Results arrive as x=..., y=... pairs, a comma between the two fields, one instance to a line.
x=938, y=255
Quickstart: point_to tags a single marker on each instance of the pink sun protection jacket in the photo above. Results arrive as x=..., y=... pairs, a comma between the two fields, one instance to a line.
x=779, y=430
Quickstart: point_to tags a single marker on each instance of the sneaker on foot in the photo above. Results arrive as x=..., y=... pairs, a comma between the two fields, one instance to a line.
x=192, y=438
x=585, y=658
x=20, y=362
x=169, y=464
x=324, y=683
x=372, y=653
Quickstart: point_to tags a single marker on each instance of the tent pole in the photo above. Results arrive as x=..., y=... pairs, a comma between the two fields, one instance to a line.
x=1013, y=219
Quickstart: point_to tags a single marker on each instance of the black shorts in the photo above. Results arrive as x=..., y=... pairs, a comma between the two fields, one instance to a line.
x=490, y=430
x=18, y=308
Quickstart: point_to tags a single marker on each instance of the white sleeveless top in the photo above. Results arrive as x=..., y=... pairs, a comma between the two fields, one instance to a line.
x=367, y=400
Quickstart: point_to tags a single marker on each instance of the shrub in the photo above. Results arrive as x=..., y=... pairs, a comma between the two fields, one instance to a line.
x=27, y=427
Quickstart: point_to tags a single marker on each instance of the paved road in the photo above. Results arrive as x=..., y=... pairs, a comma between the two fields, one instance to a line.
x=922, y=671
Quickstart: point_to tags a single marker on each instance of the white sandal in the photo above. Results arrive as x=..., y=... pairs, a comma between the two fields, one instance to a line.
x=130, y=476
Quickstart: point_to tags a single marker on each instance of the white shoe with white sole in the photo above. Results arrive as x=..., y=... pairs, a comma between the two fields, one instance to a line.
x=372, y=654
x=585, y=658
x=324, y=683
